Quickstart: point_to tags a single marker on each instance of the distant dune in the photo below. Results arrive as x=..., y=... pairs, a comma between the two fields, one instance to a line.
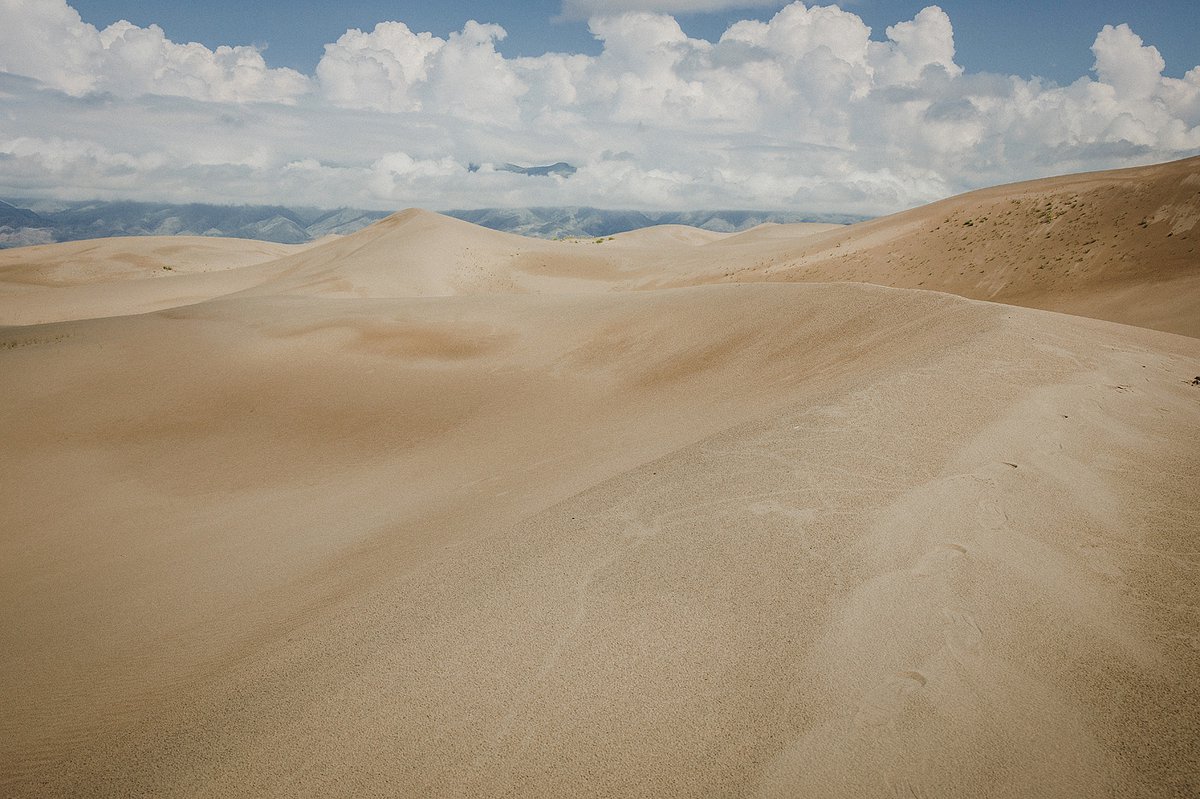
x=431, y=510
x=111, y=277
x=106, y=260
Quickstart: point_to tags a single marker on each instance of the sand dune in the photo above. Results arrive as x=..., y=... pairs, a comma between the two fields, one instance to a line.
x=660, y=235
x=117, y=276
x=1118, y=245
x=76, y=263
x=429, y=510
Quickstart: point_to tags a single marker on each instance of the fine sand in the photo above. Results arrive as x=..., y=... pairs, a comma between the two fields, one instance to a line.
x=430, y=510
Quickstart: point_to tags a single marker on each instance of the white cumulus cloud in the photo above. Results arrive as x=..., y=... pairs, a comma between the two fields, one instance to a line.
x=47, y=40
x=1133, y=69
x=378, y=69
x=809, y=110
x=393, y=69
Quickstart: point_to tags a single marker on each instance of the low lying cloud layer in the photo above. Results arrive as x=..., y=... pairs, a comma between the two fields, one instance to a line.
x=804, y=112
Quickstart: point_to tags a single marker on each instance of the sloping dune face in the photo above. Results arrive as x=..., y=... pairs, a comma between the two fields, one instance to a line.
x=117, y=276
x=434, y=511
x=1121, y=245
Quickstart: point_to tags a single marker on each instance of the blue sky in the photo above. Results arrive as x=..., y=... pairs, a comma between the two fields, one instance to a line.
x=1021, y=37
x=868, y=107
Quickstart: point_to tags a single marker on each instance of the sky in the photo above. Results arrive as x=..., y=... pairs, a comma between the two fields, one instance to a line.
x=1018, y=37
x=868, y=107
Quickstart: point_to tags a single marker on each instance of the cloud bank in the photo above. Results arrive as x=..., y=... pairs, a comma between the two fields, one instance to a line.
x=807, y=111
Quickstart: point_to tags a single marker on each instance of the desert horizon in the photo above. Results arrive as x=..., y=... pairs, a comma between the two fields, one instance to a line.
x=901, y=507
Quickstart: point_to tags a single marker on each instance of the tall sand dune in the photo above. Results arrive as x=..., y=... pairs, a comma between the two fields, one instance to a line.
x=1121, y=245
x=430, y=510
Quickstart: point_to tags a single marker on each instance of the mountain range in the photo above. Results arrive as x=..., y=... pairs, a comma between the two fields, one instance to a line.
x=43, y=222
x=25, y=222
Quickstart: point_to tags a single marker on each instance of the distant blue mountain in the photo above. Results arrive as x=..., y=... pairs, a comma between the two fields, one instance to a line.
x=20, y=226
x=36, y=222
x=565, y=222
x=41, y=222
x=561, y=168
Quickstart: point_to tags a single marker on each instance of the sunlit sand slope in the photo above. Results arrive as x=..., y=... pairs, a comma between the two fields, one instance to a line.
x=741, y=538
x=434, y=511
x=112, y=277
x=1121, y=245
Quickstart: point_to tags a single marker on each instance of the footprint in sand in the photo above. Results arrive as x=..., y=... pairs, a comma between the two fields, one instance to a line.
x=881, y=705
x=990, y=514
x=939, y=559
x=963, y=635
